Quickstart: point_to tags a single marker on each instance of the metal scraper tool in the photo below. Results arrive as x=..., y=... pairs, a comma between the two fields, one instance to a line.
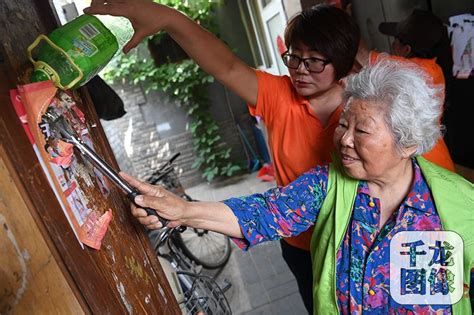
x=60, y=130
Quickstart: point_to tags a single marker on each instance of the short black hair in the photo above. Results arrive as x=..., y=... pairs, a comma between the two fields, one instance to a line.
x=329, y=31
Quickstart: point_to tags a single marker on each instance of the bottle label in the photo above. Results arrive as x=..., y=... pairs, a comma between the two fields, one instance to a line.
x=89, y=31
x=83, y=47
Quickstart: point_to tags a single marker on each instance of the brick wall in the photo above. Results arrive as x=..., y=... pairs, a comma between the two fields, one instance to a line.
x=140, y=148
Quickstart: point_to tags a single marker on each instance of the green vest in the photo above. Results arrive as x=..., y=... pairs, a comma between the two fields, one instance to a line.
x=454, y=200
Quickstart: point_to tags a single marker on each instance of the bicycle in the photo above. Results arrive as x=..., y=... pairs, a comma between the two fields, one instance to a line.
x=182, y=251
x=196, y=294
x=206, y=248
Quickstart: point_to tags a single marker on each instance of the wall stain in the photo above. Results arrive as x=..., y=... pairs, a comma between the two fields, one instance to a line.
x=111, y=252
x=22, y=258
x=162, y=292
x=123, y=294
x=137, y=270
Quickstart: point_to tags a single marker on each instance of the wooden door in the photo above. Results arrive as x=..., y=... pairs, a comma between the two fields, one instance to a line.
x=43, y=268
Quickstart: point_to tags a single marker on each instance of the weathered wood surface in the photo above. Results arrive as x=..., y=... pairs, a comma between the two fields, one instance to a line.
x=123, y=277
x=31, y=281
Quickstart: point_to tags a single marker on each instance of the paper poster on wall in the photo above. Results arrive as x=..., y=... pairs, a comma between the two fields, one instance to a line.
x=461, y=31
x=73, y=179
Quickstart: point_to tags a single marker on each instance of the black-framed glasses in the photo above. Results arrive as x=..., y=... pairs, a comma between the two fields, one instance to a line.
x=313, y=64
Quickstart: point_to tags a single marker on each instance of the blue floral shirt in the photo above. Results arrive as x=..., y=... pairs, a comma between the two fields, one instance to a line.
x=363, y=257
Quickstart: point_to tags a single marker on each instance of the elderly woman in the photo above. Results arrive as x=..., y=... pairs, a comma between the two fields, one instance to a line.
x=375, y=188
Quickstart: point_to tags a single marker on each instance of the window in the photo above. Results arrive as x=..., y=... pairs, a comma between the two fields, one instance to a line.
x=265, y=22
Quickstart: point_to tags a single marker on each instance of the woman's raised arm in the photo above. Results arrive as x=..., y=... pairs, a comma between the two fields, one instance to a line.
x=210, y=53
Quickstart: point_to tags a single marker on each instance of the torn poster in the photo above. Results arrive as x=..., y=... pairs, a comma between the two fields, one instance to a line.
x=461, y=32
x=73, y=179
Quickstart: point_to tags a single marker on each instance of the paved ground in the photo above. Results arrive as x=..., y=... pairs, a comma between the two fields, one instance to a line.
x=261, y=281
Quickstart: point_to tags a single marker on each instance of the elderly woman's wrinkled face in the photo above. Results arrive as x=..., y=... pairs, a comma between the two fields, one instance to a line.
x=365, y=142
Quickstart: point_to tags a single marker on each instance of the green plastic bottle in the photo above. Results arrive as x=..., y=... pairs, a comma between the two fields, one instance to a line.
x=75, y=52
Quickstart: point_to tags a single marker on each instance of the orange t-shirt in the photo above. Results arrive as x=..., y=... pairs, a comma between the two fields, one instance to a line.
x=439, y=154
x=297, y=139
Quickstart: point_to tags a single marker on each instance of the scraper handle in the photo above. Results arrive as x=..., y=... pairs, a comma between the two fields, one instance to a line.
x=149, y=211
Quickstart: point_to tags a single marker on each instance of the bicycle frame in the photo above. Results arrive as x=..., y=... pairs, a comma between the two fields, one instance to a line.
x=199, y=293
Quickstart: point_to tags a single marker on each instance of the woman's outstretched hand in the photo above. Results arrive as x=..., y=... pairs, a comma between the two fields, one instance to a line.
x=167, y=205
x=147, y=17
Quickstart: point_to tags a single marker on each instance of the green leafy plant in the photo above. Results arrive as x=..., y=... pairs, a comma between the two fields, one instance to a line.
x=198, y=10
x=186, y=82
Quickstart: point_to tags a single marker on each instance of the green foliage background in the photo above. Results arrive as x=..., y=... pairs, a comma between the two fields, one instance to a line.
x=185, y=82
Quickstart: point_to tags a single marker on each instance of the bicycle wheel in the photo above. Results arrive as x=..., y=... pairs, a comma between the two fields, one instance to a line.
x=204, y=296
x=207, y=248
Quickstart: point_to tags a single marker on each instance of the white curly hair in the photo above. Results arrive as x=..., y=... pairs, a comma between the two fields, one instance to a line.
x=412, y=105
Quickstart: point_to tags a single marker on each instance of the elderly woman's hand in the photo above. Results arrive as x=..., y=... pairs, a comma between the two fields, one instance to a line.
x=167, y=205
